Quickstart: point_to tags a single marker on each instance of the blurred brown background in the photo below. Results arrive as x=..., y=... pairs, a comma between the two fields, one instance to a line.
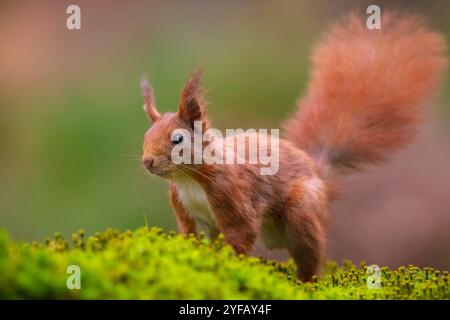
x=71, y=121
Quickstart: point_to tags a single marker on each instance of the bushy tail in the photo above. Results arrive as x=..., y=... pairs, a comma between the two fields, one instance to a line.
x=366, y=90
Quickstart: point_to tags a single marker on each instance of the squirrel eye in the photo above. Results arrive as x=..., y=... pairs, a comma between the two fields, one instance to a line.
x=176, y=139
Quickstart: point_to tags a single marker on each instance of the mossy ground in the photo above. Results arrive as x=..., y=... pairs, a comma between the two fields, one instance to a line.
x=150, y=264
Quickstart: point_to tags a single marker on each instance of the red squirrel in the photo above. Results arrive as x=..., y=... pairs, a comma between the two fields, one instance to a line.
x=364, y=101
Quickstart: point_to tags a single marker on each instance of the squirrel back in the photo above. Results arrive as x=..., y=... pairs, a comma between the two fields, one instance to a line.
x=366, y=91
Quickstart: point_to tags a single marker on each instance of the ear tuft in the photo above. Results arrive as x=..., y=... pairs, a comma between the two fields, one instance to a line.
x=192, y=105
x=149, y=99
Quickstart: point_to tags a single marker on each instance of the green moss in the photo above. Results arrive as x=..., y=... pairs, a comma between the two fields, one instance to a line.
x=150, y=264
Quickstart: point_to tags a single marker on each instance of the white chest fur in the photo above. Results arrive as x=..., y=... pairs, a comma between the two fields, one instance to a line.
x=195, y=201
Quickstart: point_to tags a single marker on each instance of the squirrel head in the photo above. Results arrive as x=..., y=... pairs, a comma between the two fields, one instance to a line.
x=159, y=140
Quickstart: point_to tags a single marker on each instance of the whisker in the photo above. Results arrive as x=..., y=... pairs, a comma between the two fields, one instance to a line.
x=138, y=156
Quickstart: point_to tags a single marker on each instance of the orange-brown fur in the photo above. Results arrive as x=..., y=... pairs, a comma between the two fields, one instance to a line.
x=363, y=103
x=366, y=90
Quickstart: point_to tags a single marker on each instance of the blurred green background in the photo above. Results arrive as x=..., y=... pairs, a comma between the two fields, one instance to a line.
x=71, y=121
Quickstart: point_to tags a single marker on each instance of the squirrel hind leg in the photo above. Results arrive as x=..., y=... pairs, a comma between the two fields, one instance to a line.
x=306, y=243
x=305, y=231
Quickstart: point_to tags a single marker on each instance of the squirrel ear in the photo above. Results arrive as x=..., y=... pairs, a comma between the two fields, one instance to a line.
x=149, y=99
x=192, y=105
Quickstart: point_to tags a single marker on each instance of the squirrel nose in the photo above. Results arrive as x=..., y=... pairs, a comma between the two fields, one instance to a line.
x=148, y=163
